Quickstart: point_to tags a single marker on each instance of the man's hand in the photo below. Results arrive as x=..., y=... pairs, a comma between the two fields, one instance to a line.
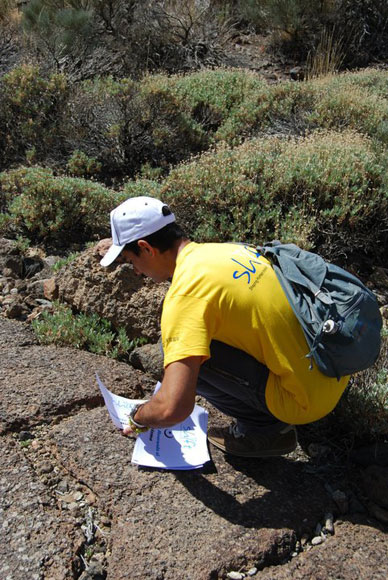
x=175, y=399
x=129, y=431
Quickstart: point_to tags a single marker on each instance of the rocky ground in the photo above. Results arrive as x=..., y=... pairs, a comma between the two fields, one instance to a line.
x=73, y=506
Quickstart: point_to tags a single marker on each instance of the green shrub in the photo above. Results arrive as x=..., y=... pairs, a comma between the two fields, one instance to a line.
x=373, y=79
x=363, y=410
x=232, y=106
x=118, y=128
x=340, y=103
x=50, y=208
x=327, y=190
x=30, y=113
x=361, y=415
x=84, y=331
x=271, y=109
x=210, y=96
x=139, y=187
x=80, y=165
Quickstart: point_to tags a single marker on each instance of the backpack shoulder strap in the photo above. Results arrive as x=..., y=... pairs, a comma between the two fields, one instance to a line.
x=298, y=266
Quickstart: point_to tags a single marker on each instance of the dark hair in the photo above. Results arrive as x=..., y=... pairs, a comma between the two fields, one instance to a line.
x=163, y=239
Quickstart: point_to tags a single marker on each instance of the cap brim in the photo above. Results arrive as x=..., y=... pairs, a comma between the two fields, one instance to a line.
x=111, y=255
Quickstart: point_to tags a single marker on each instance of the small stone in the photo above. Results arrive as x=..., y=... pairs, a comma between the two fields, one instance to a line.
x=14, y=291
x=73, y=507
x=317, y=540
x=297, y=73
x=9, y=273
x=235, y=575
x=43, y=302
x=329, y=525
x=25, y=436
x=91, y=498
x=252, y=572
x=46, y=468
x=78, y=495
x=98, y=557
x=14, y=310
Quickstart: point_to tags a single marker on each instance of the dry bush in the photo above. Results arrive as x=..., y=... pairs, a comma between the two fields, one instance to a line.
x=294, y=25
x=83, y=38
x=124, y=125
x=327, y=57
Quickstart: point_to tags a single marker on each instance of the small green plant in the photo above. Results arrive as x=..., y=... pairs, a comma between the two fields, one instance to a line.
x=59, y=264
x=22, y=244
x=83, y=331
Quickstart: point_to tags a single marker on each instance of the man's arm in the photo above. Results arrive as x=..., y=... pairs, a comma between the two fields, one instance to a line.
x=175, y=399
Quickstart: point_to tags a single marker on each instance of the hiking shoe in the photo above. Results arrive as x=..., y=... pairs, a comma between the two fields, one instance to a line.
x=231, y=440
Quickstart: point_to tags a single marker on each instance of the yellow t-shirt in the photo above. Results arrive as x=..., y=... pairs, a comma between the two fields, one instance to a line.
x=227, y=293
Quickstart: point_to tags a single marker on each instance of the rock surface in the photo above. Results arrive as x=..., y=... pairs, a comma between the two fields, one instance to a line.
x=73, y=506
x=149, y=359
x=115, y=293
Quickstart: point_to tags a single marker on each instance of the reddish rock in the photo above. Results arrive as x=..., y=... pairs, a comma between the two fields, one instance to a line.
x=50, y=289
x=114, y=293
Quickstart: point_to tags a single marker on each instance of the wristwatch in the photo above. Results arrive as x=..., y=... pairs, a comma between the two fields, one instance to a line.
x=135, y=426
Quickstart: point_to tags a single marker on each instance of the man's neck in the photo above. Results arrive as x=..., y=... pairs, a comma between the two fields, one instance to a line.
x=175, y=251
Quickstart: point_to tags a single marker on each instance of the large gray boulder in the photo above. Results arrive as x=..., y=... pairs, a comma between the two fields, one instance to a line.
x=114, y=293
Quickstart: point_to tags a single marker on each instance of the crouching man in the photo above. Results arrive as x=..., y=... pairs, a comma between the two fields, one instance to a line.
x=228, y=334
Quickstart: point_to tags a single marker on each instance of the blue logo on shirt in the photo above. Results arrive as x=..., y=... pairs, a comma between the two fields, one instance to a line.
x=247, y=270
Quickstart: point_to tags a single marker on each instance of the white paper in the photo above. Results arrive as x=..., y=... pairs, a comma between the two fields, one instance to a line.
x=182, y=446
x=119, y=407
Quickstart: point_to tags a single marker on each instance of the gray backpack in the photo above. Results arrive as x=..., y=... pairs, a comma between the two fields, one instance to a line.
x=339, y=315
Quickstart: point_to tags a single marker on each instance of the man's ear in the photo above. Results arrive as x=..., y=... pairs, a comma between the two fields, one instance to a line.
x=144, y=245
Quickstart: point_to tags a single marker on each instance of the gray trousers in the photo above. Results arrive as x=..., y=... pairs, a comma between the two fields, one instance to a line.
x=234, y=382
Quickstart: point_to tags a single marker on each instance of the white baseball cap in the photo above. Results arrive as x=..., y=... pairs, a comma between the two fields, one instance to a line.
x=135, y=219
